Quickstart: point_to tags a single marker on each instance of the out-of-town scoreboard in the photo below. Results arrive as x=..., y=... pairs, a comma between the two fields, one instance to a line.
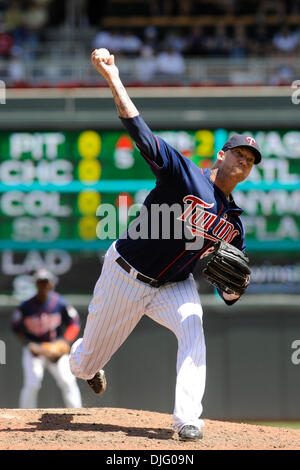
x=52, y=185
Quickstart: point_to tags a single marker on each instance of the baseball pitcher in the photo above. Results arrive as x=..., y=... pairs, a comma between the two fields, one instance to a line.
x=152, y=275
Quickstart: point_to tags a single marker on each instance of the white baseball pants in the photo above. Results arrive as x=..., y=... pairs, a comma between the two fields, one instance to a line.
x=118, y=303
x=33, y=370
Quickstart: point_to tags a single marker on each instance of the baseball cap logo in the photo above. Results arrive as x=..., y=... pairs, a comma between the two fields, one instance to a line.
x=250, y=140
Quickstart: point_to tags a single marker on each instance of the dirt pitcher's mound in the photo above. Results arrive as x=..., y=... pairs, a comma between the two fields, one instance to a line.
x=117, y=429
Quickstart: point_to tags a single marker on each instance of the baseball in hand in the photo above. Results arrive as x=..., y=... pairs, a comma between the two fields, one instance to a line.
x=102, y=53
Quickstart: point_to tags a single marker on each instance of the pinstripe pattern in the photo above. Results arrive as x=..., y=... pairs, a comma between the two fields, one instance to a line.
x=117, y=306
x=177, y=306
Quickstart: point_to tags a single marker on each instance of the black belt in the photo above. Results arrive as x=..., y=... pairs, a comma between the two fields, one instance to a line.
x=148, y=280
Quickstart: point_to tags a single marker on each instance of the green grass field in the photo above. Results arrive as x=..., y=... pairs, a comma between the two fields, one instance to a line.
x=279, y=424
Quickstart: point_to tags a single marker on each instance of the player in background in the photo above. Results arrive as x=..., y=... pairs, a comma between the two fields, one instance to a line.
x=153, y=275
x=46, y=320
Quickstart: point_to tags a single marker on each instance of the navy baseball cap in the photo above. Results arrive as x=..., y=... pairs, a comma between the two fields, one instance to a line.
x=241, y=140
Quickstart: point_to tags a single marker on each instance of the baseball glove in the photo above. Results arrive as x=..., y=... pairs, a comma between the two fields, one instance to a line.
x=228, y=269
x=51, y=350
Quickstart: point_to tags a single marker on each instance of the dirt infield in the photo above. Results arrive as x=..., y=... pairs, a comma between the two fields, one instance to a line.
x=120, y=429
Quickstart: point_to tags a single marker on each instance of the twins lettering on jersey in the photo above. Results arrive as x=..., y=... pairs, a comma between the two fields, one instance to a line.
x=199, y=221
x=42, y=324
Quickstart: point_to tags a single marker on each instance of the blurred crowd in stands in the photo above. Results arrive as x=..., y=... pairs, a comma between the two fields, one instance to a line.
x=165, y=51
x=22, y=23
x=156, y=49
